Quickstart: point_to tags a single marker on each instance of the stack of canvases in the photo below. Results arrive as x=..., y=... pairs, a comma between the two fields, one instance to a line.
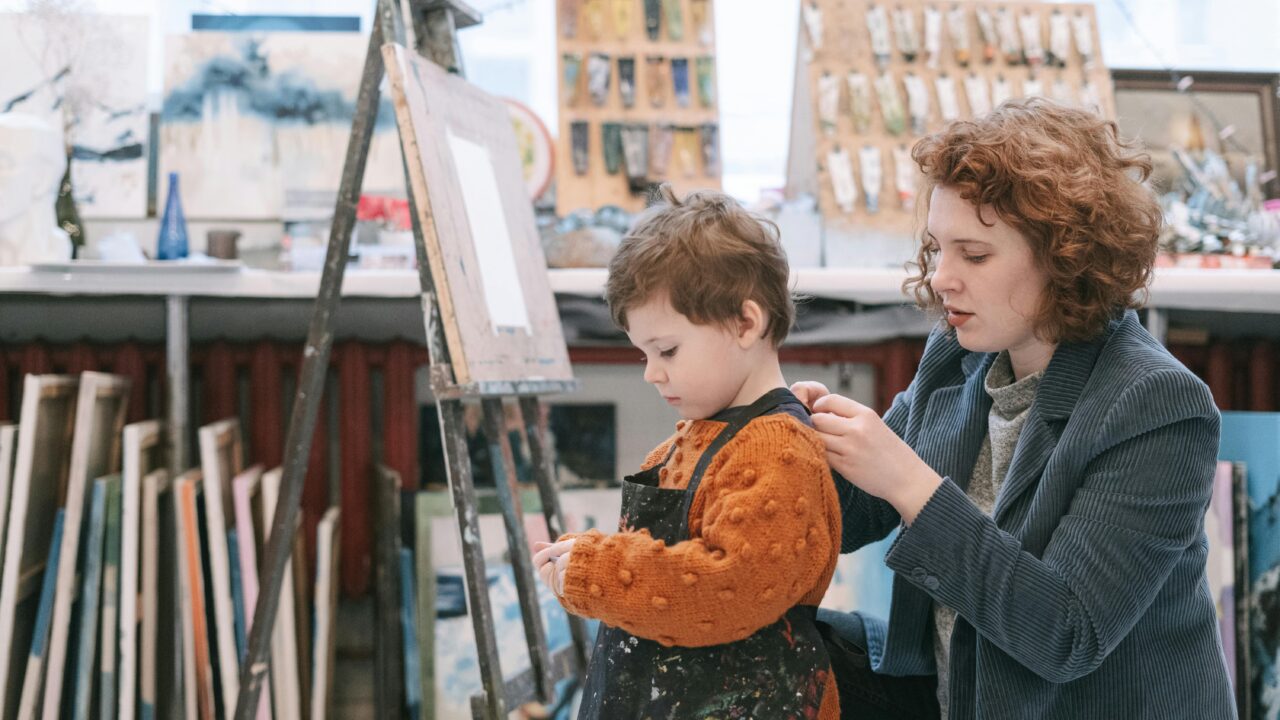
x=130, y=593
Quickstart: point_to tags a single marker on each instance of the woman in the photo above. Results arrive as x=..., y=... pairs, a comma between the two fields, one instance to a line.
x=1049, y=465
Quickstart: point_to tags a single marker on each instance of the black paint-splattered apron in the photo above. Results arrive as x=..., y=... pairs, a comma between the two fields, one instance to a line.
x=777, y=673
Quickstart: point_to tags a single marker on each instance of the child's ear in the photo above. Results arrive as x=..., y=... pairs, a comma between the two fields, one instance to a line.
x=753, y=323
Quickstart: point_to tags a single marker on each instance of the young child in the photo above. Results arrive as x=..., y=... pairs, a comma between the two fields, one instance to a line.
x=730, y=532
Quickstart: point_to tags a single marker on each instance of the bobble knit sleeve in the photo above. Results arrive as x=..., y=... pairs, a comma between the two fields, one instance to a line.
x=764, y=530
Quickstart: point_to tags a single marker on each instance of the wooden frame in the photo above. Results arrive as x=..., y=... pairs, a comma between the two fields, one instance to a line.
x=221, y=459
x=39, y=479
x=8, y=446
x=95, y=451
x=143, y=446
x=197, y=685
x=477, y=222
x=1259, y=131
x=251, y=529
x=285, y=675
x=328, y=536
x=159, y=575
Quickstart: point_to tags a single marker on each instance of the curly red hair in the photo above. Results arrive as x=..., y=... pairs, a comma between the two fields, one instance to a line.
x=1065, y=179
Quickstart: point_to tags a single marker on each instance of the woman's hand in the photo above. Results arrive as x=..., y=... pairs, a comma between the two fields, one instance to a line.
x=551, y=561
x=871, y=456
x=808, y=392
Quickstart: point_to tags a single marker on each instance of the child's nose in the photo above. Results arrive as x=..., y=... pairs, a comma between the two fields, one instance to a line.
x=653, y=374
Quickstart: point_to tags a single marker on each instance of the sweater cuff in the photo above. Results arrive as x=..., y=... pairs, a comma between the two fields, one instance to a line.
x=579, y=592
x=931, y=548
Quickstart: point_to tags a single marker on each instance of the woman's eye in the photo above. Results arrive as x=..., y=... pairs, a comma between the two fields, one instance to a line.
x=668, y=353
x=976, y=258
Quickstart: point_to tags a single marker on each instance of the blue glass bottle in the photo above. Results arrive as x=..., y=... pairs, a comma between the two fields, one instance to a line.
x=172, y=243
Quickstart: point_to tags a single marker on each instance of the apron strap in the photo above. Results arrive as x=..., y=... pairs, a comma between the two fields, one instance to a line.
x=739, y=420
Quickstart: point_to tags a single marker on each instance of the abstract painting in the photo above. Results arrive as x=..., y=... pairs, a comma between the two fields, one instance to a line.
x=256, y=124
x=1253, y=438
x=86, y=73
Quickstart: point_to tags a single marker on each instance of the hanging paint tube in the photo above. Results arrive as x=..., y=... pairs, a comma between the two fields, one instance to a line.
x=895, y=116
x=841, y=172
x=948, y=103
x=594, y=12
x=932, y=35
x=656, y=66
x=569, y=18
x=635, y=154
x=904, y=176
x=627, y=80
x=1010, y=44
x=653, y=18
x=1063, y=94
x=904, y=27
x=572, y=72
x=611, y=135
x=1090, y=98
x=958, y=29
x=859, y=101
x=1001, y=90
x=1033, y=87
x=660, y=149
x=709, y=135
x=975, y=88
x=622, y=18
x=1083, y=31
x=917, y=102
x=812, y=16
x=687, y=150
x=828, y=102
x=580, y=140
x=675, y=19
x=706, y=68
x=1059, y=38
x=1032, y=39
x=680, y=80
x=872, y=176
x=878, y=29
x=700, y=18
x=598, y=71
x=987, y=29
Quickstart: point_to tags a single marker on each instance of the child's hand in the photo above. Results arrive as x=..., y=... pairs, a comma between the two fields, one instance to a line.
x=552, y=560
x=808, y=392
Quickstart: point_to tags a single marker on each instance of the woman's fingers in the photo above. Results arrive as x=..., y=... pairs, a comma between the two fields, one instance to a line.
x=839, y=405
x=808, y=391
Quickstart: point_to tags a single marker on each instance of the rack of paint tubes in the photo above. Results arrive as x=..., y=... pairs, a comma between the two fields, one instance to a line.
x=637, y=89
x=879, y=76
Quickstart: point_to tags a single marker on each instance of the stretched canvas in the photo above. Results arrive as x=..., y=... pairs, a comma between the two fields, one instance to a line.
x=256, y=124
x=1253, y=438
x=87, y=73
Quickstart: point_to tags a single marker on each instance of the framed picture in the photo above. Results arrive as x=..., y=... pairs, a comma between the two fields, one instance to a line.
x=1234, y=114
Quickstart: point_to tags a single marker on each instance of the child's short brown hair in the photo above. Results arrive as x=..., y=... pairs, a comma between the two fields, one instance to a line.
x=709, y=254
x=1065, y=179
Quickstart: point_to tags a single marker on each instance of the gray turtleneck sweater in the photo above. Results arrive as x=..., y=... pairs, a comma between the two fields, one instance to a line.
x=1010, y=403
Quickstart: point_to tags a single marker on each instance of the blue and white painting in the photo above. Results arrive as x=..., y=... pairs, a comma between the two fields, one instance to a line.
x=1254, y=439
x=85, y=73
x=257, y=125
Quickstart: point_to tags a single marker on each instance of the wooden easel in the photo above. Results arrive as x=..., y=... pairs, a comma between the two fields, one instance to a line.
x=435, y=24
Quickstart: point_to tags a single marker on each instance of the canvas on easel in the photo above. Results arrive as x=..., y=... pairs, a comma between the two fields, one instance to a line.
x=498, y=312
x=39, y=479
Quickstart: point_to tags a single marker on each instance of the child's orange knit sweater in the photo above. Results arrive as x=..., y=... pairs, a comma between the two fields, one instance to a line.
x=765, y=536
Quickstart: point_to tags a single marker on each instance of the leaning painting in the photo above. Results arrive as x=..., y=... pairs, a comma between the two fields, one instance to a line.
x=87, y=75
x=256, y=125
x=1253, y=438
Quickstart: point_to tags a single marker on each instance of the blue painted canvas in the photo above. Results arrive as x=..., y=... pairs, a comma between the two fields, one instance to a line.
x=86, y=73
x=1254, y=439
x=256, y=124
